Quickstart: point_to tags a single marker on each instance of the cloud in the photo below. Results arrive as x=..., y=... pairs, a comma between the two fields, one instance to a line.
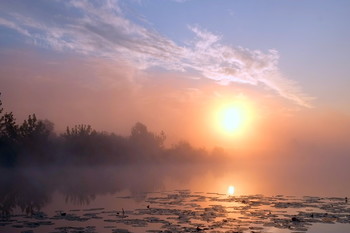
x=100, y=29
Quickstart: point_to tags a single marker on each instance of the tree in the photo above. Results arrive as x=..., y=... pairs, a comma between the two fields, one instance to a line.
x=8, y=126
x=79, y=143
x=141, y=135
x=8, y=138
x=145, y=144
x=34, y=140
x=34, y=129
x=79, y=131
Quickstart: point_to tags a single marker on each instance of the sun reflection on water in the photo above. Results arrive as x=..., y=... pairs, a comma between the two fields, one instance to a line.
x=230, y=190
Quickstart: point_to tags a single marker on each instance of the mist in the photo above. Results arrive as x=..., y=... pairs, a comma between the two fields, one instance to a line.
x=284, y=142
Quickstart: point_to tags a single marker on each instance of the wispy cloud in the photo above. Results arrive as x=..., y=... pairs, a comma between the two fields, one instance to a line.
x=99, y=28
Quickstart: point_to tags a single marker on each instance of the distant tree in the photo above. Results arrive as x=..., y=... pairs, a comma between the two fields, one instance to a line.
x=1, y=116
x=79, y=131
x=141, y=136
x=145, y=144
x=34, y=140
x=8, y=138
x=79, y=143
x=8, y=127
x=34, y=129
x=28, y=142
x=184, y=152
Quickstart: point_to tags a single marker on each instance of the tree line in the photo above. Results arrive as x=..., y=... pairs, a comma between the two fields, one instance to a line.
x=34, y=142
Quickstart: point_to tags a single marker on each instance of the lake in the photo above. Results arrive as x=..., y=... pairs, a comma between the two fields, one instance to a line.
x=166, y=198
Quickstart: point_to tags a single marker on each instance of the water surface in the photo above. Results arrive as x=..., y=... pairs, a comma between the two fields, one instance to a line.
x=162, y=198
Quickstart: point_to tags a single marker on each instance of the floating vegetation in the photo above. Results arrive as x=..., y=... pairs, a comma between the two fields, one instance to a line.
x=88, y=229
x=183, y=211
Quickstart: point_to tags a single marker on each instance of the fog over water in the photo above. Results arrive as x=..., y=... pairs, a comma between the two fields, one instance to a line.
x=34, y=187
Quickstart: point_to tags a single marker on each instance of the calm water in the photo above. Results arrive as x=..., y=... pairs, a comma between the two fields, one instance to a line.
x=166, y=198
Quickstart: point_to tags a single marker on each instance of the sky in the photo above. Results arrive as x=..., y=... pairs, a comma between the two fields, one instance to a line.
x=174, y=65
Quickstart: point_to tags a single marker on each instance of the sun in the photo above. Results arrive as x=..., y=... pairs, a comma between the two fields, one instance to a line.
x=231, y=118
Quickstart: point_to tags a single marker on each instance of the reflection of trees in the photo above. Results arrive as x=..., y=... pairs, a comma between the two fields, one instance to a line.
x=79, y=198
x=29, y=190
x=17, y=190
